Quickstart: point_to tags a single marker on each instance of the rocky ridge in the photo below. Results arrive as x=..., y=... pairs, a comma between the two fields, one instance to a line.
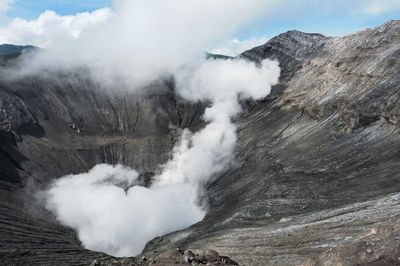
x=170, y=257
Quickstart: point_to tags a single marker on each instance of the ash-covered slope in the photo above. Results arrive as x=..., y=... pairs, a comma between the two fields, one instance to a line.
x=317, y=161
x=324, y=141
x=56, y=125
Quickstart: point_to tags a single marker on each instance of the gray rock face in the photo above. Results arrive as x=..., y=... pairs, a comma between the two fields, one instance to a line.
x=327, y=138
x=317, y=161
x=53, y=126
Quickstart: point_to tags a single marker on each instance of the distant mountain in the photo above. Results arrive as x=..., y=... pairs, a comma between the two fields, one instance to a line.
x=6, y=49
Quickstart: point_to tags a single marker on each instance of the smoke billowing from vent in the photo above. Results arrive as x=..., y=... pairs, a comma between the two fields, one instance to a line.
x=110, y=218
x=142, y=41
x=112, y=214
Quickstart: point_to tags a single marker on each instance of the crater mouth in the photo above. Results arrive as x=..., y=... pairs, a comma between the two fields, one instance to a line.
x=66, y=126
x=116, y=215
x=169, y=200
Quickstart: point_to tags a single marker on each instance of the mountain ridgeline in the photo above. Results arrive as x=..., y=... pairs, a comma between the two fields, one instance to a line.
x=8, y=49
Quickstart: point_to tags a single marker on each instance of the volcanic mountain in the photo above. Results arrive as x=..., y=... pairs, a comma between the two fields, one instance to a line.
x=316, y=179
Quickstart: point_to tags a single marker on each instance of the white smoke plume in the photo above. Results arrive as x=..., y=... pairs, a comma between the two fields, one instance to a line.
x=222, y=82
x=109, y=218
x=119, y=221
x=134, y=41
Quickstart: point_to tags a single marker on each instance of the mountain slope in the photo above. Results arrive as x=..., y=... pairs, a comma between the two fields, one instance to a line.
x=327, y=137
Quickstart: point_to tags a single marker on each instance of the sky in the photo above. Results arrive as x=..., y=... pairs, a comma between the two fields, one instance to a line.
x=31, y=9
x=330, y=18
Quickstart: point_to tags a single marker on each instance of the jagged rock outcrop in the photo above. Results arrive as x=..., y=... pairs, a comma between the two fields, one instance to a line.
x=317, y=174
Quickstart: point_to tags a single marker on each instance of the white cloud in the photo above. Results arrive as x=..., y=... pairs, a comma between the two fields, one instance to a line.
x=50, y=29
x=139, y=39
x=4, y=5
x=235, y=47
x=163, y=23
x=377, y=7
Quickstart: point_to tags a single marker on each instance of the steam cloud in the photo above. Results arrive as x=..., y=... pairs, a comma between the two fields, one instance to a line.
x=139, y=42
x=117, y=222
x=121, y=222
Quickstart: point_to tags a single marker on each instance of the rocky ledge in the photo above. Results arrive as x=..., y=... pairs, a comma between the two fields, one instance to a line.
x=170, y=257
